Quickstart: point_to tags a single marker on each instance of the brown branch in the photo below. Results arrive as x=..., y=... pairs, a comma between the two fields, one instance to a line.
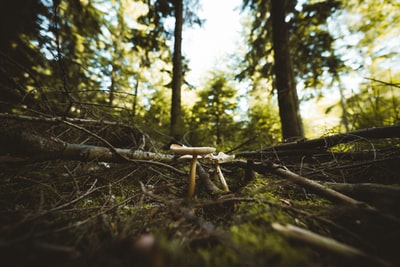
x=328, y=244
x=25, y=147
x=205, y=178
x=269, y=166
x=38, y=148
x=326, y=142
x=53, y=120
x=367, y=190
x=384, y=83
x=323, y=191
x=314, y=186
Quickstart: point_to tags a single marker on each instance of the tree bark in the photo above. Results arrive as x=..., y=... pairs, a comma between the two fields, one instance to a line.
x=285, y=84
x=176, y=129
x=23, y=146
x=26, y=147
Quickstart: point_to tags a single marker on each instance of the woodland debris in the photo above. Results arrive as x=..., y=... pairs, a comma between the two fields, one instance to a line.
x=364, y=190
x=329, y=244
x=125, y=210
x=217, y=160
x=193, y=152
x=269, y=166
x=315, y=146
x=55, y=119
x=37, y=148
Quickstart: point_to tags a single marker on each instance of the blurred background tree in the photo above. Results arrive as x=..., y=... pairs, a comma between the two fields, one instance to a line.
x=289, y=43
x=114, y=60
x=213, y=115
x=366, y=34
x=19, y=60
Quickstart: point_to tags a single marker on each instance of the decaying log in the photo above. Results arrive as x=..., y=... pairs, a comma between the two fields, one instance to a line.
x=36, y=148
x=28, y=147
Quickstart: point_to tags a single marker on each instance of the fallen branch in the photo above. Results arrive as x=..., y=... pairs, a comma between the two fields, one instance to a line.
x=321, y=190
x=323, y=143
x=367, y=189
x=55, y=119
x=29, y=147
x=328, y=244
x=269, y=166
x=38, y=148
x=33, y=147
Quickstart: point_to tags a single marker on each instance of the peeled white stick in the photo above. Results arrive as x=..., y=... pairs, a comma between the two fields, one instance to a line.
x=221, y=177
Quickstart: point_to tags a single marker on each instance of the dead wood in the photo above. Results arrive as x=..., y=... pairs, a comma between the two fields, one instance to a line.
x=208, y=221
x=384, y=197
x=205, y=178
x=329, y=244
x=35, y=148
x=28, y=147
x=25, y=145
x=315, y=146
x=314, y=186
x=317, y=188
x=269, y=166
x=55, y=119
x=365, y=190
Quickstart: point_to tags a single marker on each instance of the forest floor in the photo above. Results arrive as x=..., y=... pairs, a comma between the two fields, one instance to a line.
x=58, y=212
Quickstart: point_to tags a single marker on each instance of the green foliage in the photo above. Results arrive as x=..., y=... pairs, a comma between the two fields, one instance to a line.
x=157, y=113
x=153, y=38
x=376, y=105
x=311, y=44
x=263, y=122
x=212, y=120
x=375, y=26
x=66, y=57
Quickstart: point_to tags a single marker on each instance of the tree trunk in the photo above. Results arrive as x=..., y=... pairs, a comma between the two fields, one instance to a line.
x=135, y=97
x=112, y=87
x=284, y=75
x=176, y=129
x=345, y=115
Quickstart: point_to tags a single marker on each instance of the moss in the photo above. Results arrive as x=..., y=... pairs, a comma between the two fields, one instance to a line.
x=232, y=233
x=246, y=238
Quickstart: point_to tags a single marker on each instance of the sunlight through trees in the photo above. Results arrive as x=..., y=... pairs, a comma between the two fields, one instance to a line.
x=67, y=57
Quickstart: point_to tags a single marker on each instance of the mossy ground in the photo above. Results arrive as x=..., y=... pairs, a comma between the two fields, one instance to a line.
x=90, y=214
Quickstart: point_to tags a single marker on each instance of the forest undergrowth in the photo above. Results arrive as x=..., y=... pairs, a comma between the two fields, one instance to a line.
x=62, y=212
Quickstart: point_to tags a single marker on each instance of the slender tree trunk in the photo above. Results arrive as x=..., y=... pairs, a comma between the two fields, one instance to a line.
x=218, y=126
x=345, y=115
x=285, y=83
x=217, y=88
x=112, y=88
x=176, y=129
x=135, y=96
